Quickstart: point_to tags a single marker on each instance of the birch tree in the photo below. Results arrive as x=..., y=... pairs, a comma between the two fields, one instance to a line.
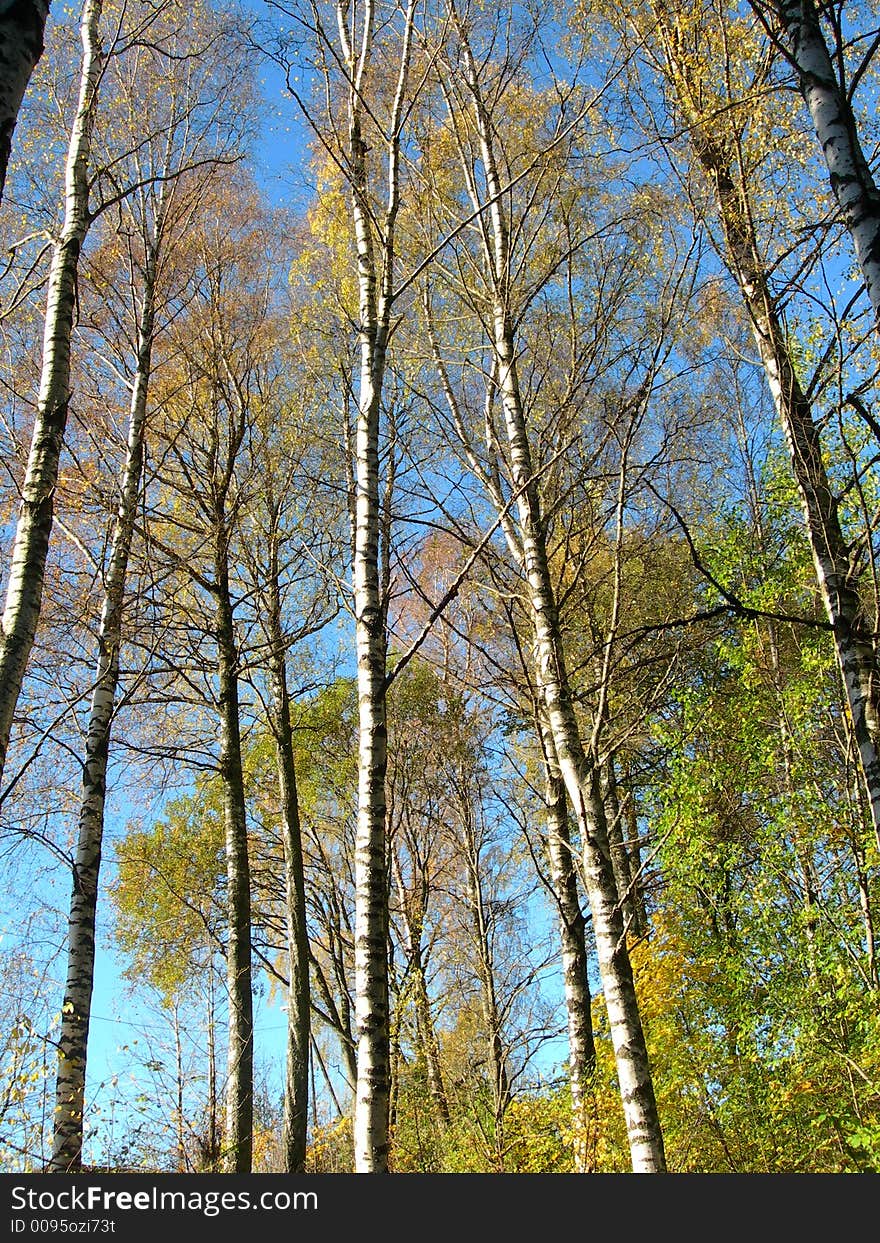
x=560, y=851
x=716, y=145
x=204, y=486
x=830, y=98
x=185, y=103
x=73, y=1039
x=482, y=666
x=474, y=109
x=24, y=588
x=376, y=258
x=367, y=69
x=296, y=1095
x=293, y=541
x=22, y=28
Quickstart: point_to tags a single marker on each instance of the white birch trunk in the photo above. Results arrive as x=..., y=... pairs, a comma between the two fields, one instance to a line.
x=578, y=773
x=371, y=883
x=24, y=591
x=375, y=288
x=74, y=1031
x=838, y=586
x=22, y=27
x=582, y=785
x=572, y=938
x=833, y=118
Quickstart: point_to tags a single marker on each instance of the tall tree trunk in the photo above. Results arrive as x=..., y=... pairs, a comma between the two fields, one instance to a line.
x=835, y=573
x=615, y=970
x=371, y=881
x=240, y=1055
x=832, y=114
x=74, y=1032
x=296, y=1088
x=24, y=591
x=578, y=771
x=22, y=27
x=375, y=295
x=572, y=936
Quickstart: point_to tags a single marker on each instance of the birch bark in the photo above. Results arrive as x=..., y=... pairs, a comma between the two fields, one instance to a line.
x=375, y=246
x=24, y=590
x=22, y=27
x=831, y=110
x=572, y=930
